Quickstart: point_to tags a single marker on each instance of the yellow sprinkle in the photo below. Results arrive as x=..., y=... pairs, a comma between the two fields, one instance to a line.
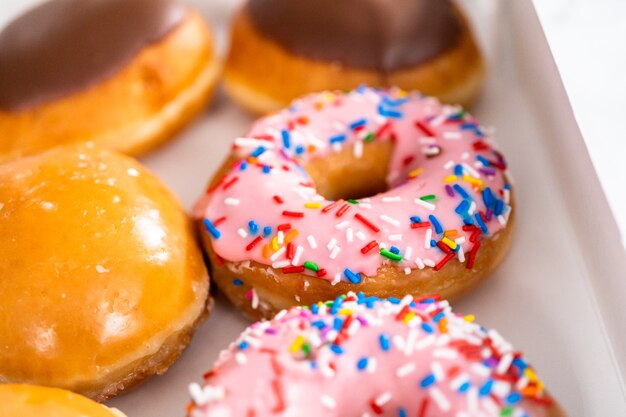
x=451, y=243
x=450, y=178
x=291, y=235
x=275, y=243
x=408, y=317
x=473, y=181
x=451, y=232
x=469, y=318
x=297, y=344
x=443, y=325
x=312, y=205
x=345, y=312
x=416, y=172
x=530, y=374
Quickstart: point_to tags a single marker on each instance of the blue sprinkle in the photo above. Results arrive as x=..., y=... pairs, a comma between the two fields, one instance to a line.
x=465, y=386
x=336, y=349
x=266, y=169
x=507, y=186
x=520, y=363
x=243, y=166
x=394, y=300
x=394, y=103
x=243, y=345
x=337, y=323
x=468, y=221
x=481, y=223
x=253, y=227
x=258, y=151
x=435, y=223
x=433, y=243
x=286, y=138
x=499, y=206
x=336, y=305
x=314, y=308
x=352, y=277
x=337, y=139
x=438, y=317
x=401, y=412
x=237, y=282
x=358, y=123
x=462, y=207
x=211, y=229
x=514, y=398
x=428, y=381
x=383, y=339
x=394, y=249
x=428, y=301
x=458, y=170
x=427, y=328
x=461, y=192
x=488, y=197
x=299, y=150
x=267, y=230
x=486, y=389
x=416, y=219
x=483, y=160
x=313, y=364
x=362, y=363
x=318, y=323
x=389, y=113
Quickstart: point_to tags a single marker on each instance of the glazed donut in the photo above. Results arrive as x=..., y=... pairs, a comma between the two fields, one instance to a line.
x=103, y=283
x=363, y=356
x=126, y=74
x=36, y=401
x=383, y=191
x=281, y=50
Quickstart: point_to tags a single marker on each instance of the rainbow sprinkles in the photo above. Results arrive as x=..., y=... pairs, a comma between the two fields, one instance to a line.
x=448, y=188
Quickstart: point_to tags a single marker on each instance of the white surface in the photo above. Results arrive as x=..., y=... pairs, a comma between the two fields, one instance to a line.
x=556, y=297
x=588, y=39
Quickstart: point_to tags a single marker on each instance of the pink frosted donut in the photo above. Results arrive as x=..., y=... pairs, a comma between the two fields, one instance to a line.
x=363, y=356
x=385, y=192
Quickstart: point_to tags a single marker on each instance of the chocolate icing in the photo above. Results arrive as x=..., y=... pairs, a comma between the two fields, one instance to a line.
x=372, y=34
x=66, y=46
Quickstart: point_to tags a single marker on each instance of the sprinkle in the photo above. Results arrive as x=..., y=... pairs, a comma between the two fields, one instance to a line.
x=286, y=138
x=230, y=182
x=427, y=381
x=389, y=220
x=390, y=255
x=335, y=252
x=365, y=249
x=312, y=242
x=293, y=269
x=352, y=277
x=242, y=233
x=255, y=242
x=312, y=266
x=435, y=223
x=342, y=210
x=427, y=238
x=424, y=204
x=278, y=199
x=211, y=229
x=312, y=205
x=293, y=213
x=383, y=339
x=461, y=192
x=367, y=223
x=429, y=197
x=395, y=199
x=328, y=402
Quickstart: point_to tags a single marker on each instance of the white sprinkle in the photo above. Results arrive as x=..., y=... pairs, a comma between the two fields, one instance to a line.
x=472, y=400
x=448, y=164
x=335, y=252
x=429, y=262
x=244, y=142
x=427, y=238
x=410, y=342
x=342, y=225
x=425, y=342
x=312, y=241
x=407, y=270
x=471, y=170
x=372, y=365
x=242, y=233
x=424, y=204
x=277, y=254
x=461, y=254
x=395, y=238
x=445, y=353
x=336, y=279
x=358, y=149
x=349, y=235
x=331, y=244
x=419, y=262
x=383, y=399
x=437, y=371
x=395, y=199
x=339, y=126
x=132, y=172
x=480, y=369
x=472, y=208
x=360, y=235
x=504, y=364
x=255, y=300
x=280, y=237
x=428, y=140
x=452, y=135
x=328, y=401
x=405, y=369
x=241, y=358
x=100, y=269
x=366, y=206
x=501, y=220
x=507, y=195
x=438, y=120
x=440, y=399
x=297, y=255
x=389, y=220
x=460, y=240
x=408, y=252
x=281, y=264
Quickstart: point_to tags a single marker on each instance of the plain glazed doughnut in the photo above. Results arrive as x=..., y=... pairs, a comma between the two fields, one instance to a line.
x=103, y=283
x=363, y=356
x=281, y=50
x=126, y=74
x=385, y=192
x=37, y=401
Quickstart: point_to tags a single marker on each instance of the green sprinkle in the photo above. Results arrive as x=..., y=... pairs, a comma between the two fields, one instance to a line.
x=390, y=255
x=369, y=137
x=311, y=265
x=351, y=201
x=306, y=349
x=428, y=197
x=506, y=411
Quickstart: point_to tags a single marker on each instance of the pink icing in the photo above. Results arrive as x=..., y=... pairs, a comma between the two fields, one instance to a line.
x=320, y=124
x=332, y=360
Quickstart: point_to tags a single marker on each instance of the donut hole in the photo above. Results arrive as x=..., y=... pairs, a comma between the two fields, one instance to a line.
x=343, y=175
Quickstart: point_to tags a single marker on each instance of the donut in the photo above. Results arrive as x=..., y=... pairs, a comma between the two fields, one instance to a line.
x=126, y=74
x=365, y=356
x=37, y=401
x=103, y=282
x=381, y=191
x=281, y=50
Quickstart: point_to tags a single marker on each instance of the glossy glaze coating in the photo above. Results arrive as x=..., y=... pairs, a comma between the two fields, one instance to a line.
x=375, y=34
x=36, y=401
x=65, y=46
x=99, y=266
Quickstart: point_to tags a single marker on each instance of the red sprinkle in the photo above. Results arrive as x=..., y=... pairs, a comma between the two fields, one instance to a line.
x=420, y=225
x=330, y=206
x=367, y=223
x=219, y=221
x=444, y=261
x=383, y=129
x=406, y=161
x=278, y=199
x=424, y=128
x=472, y=255
x=444, y=247
x=278, y=393
x=469, y=228
x=293, y=213
x=373, y=244
x=290, y=250
x=254, y=243
x=230, y=182
x=293, y=269
x=423, y=408
x=321, y=273
x=475, y=235
x=342, y=210
x=284, y=226
x=480, y=146
x=375, y=407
